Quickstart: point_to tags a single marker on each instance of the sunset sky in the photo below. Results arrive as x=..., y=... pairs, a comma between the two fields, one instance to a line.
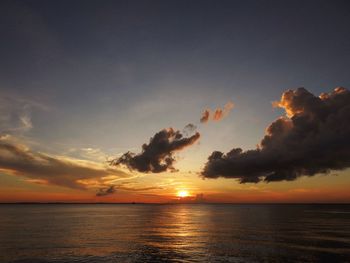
x=84, y=82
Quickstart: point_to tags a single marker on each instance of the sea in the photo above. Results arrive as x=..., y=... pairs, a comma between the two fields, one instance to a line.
x=101, y=233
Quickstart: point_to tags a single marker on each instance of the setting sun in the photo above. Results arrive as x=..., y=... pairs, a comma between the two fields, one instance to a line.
x=182, y=193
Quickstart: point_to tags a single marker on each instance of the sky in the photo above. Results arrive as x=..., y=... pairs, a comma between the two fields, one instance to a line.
x=84, y=83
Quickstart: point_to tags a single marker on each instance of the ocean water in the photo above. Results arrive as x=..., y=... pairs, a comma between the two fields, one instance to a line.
x=174, y=233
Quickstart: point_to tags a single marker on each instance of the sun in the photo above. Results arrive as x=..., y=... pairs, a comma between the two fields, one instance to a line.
x=182, y=193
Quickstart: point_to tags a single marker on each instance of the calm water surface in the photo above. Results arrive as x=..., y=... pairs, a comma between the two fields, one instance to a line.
x=174, y=233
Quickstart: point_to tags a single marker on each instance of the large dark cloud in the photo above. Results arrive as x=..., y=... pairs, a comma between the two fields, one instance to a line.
x=157, y=156
x=18, y=160
x=313, y=138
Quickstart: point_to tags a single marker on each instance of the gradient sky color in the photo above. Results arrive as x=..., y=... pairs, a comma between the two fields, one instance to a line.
x=85, y=81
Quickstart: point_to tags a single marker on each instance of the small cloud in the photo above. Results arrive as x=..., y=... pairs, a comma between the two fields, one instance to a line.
x=218, y=114
x=106, y=191
x=205, y=116
x=189, y=129
x=15, y=114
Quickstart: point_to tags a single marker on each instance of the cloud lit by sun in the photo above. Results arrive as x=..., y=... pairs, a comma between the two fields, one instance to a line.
x=182, y=193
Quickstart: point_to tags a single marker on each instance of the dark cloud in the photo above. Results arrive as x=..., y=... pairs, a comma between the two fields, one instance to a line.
x=218, y=114
x=313, y=138
x=106, y=191
x=18, y=160
x=205, y=116
x=157, y=156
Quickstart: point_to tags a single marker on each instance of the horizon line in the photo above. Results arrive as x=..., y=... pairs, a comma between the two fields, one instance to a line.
x=178, y=203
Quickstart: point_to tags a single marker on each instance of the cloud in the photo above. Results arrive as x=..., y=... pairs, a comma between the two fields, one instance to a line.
x=140, y=189
x=15, y=114
x=189, y=129
x=106, y=191
x=88, y=153
x=157, y=156
x=109, y=189
x=313, y=138
x=218, y=114
x=18, y=160
x=205, y=116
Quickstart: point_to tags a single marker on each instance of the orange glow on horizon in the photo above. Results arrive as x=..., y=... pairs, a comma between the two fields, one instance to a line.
x=182, y=193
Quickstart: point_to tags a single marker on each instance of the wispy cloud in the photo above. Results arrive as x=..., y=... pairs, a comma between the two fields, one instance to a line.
x=15, y=114
x=189, y=129
x=42, y=168
x=88, y=153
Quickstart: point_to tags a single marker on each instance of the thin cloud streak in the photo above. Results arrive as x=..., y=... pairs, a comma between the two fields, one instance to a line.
x=17, y=159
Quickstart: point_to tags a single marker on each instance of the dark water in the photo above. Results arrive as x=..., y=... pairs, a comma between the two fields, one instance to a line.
x=174, y=233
